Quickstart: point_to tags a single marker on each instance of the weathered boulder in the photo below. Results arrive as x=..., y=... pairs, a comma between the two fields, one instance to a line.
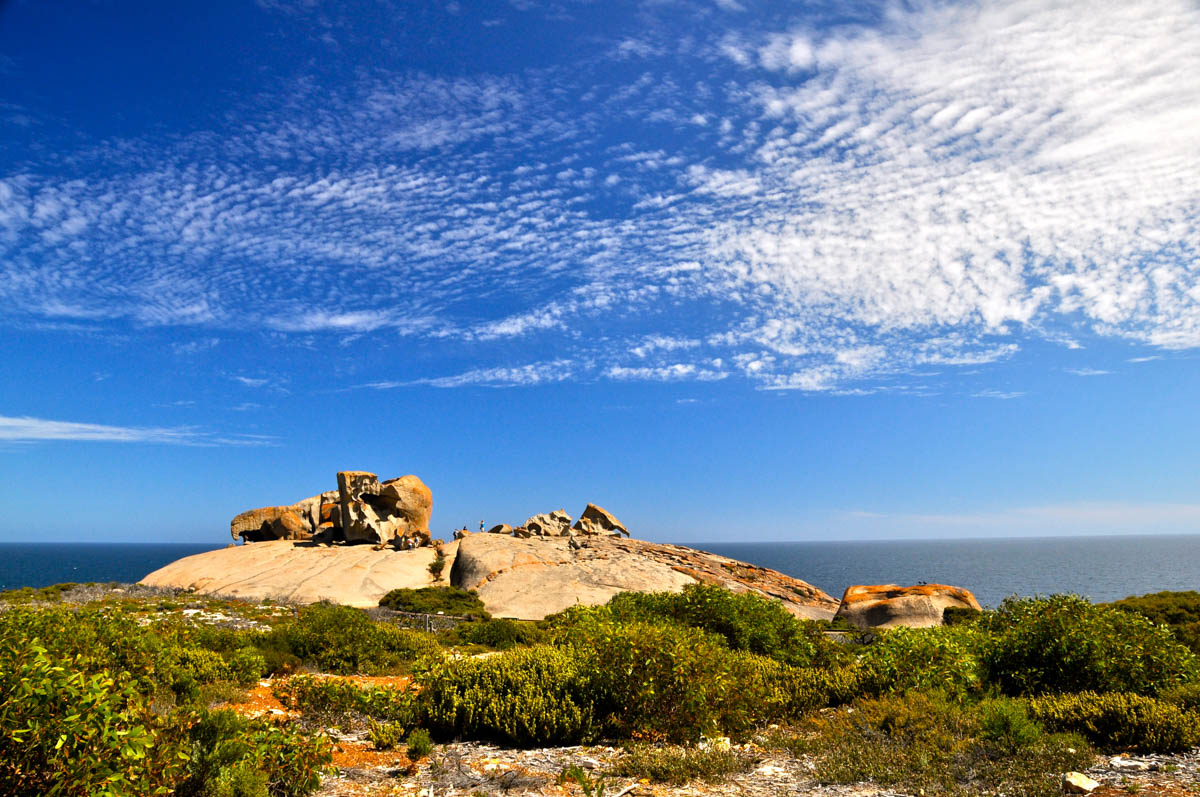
x=888, y=605
x=408, y=499
x=1078, y=783
x=500, y=528
x=460, y=533
x=289, y=526
x=549, y=524
x=597, y=520
x=294, y=522
x=360, y=522
x=360, y=510
x=256, y=524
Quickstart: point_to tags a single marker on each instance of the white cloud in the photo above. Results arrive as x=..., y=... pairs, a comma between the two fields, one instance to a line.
x=1088, y=371
x=30, y=430
x=932, y=190
x=510, y=376
x=999, y=394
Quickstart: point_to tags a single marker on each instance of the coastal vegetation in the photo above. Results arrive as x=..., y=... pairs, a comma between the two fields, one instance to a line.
x=138, y=694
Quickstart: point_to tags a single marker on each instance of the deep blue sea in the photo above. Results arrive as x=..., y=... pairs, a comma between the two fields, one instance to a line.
x=1102, y=568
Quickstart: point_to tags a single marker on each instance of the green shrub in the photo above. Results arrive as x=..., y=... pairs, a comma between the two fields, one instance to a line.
x=246, y=666
x=432, y=600
x=1120, y=721
x=64, y=731
x=48, y=594
x=335, y=696
x=437, y=566
x=944, y=658
x=1179, y=610
x=1066, y=644
x=231, y=753
x=1006, y=724
x=343, y=640
x=501, y=634
x=525, y=696
x=745, y=621
x=384, y=735
x=1187, y=696
x=960, y=615
x=94, y=640
x=418, y=744
x=925, y=741
x=680, y=765
x=670, y=682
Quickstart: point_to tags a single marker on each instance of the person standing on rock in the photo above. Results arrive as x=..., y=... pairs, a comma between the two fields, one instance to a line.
x=481, y=527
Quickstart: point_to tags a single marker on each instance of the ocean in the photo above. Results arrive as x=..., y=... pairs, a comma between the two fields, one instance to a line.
x=1101, y=568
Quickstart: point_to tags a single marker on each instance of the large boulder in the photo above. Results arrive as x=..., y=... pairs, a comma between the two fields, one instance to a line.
x=889, y=605
x=597, y=520
x=273, y=523
x=360, y=522
x=549, y=524
x=362, y=509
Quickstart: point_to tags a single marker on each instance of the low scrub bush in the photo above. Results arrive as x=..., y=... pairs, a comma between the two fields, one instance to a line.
x=926, y=741
x=1066, y=644
x=335, y=696
x=1187, y=696
x=960, y=615
x=76, y=717
x=433, y=600
x=343, y=640
x=1179, y=610
x=942, y=658
x=680, y=765
x=251, y=758
x=50, y=594
x=384, y=735
x=1168, y=608
x=745, y=621
x=1120, y=721
x=501, y=634
x=418, y=744
x=663, y=681
x=64, y=731
x=525, y=696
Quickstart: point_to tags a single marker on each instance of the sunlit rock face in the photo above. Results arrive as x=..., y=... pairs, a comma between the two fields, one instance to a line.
x=889, y=605
x=361, y=510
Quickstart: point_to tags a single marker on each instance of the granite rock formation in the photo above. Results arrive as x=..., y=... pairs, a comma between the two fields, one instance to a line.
x=549, y=524
x=889, y=605
x=597, y=520
x=362, y=509
x=522, y=578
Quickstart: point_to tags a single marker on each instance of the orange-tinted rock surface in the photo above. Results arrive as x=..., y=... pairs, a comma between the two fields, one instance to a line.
x=888, y=605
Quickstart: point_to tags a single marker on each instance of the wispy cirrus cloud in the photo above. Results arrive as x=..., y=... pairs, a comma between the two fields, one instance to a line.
x=823, y=209
x=24, y=429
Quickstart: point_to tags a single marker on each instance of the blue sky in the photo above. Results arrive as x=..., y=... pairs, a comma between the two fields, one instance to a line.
x=733, y=270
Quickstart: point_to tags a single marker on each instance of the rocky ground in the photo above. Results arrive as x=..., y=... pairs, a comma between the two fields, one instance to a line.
x=467, y=769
